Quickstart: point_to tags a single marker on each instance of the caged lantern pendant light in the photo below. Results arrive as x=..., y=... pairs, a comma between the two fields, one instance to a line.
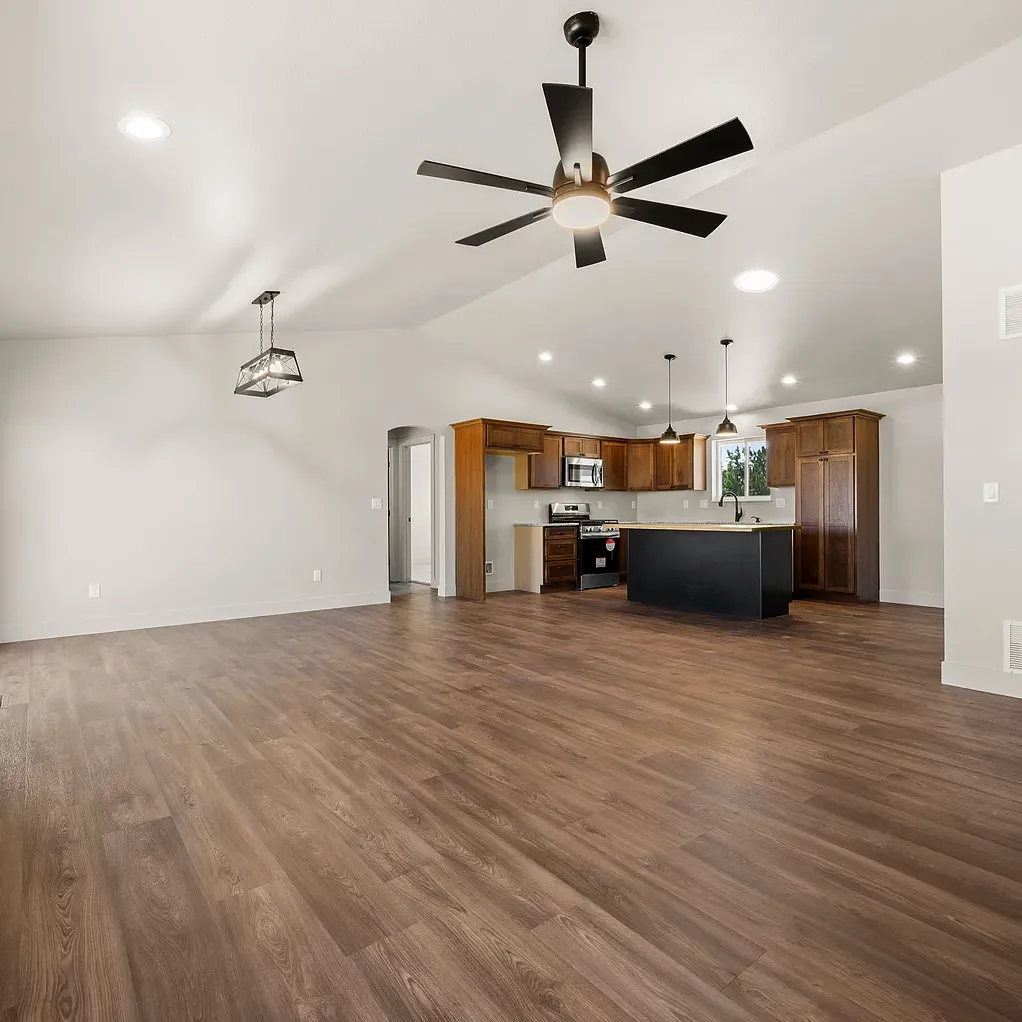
x=273, y=369
x=669, y=436
x=726, y=427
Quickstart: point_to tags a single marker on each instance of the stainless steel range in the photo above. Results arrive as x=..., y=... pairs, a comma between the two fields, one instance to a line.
x=599, y=544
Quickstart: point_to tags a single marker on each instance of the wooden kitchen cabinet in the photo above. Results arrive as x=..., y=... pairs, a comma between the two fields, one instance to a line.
x=615, y=468
x=540, y=471
x=681, y=466
x=513, y=436
x=560, y=557
x=780, y=445
x=641, y=465
x=837, y=505
x=582, y=447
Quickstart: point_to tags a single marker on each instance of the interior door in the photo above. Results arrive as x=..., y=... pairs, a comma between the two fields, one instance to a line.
x=810, y=513
x=839, y=524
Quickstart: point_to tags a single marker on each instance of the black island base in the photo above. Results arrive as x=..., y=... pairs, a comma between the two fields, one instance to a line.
x=742, y=573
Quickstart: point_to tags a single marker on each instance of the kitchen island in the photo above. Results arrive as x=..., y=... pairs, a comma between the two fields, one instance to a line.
x=738, y=570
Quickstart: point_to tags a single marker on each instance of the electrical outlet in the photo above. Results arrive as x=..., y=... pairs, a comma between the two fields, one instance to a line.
x=780, y=502
x=377, y=503
x=489, y=507
x=599, y=505
x=684, y=503
x=489, y=567
x=317, y=575
x=633, y=505
x=94, y=591
x=991, y=493
x=535, y=504
x=704, y=503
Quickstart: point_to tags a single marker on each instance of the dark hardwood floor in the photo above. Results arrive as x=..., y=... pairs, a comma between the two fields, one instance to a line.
x=555, y=807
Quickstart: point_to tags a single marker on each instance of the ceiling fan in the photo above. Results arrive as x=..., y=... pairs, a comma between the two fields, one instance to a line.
x=584, y=192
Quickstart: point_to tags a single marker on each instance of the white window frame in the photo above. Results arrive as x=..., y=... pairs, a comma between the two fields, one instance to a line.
x=730, y=441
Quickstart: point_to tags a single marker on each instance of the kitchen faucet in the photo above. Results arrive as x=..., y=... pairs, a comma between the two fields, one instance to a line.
x=738, y=507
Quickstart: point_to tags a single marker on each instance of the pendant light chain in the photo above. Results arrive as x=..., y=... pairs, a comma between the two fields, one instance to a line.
x=260, y=329
x=272, y=301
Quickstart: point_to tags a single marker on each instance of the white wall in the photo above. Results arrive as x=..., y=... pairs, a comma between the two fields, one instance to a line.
x=981, y=207
x=131, y=463
x=511, y=505
x=911, y=497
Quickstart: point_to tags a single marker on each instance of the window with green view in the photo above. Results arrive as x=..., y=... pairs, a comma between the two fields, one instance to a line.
x=741, y=468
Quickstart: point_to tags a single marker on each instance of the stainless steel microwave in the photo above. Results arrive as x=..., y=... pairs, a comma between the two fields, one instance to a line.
x=584, y=472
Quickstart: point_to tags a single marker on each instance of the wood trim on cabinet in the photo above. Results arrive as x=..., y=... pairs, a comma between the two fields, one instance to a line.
x=470, y=510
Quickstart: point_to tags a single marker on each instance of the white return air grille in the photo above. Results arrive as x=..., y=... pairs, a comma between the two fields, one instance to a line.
x=1013, y=646
x=1011, y=312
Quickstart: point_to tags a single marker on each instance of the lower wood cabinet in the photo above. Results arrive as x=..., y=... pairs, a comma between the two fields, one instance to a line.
x=560, y=556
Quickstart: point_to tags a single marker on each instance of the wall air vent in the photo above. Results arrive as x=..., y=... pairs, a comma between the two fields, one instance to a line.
x=1010, y=311
x=1013, y=646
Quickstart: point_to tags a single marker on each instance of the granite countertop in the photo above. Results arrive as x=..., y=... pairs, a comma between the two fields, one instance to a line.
x=544, y=525
x=708, y=526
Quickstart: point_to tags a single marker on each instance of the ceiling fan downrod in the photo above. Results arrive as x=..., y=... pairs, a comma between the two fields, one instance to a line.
x=580, y=30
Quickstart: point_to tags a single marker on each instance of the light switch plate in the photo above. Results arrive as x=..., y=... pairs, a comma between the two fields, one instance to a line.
x=991, y=493
x=377, y=503
x=94, y=591
x=685, y=503
x=599, y=504
x=317, y=575
x=704, y=503
x=780, y=502
x=633, y=505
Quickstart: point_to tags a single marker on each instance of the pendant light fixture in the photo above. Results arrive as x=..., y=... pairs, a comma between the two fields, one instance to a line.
x=273, y=369
x=726, y=427
x=669, y=436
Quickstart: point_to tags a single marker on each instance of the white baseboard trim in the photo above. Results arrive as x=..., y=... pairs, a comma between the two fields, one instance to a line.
x=981, y=679
x=167, y=618
x=499, y=585
x=912, y=599
x=446, y=591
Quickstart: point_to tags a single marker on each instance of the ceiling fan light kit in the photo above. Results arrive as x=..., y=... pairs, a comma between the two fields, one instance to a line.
x=584, y=191
x=273, y=369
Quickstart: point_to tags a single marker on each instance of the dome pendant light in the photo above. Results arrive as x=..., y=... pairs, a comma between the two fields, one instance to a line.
x=726, y=427
x=272, y=370
x=669, y=436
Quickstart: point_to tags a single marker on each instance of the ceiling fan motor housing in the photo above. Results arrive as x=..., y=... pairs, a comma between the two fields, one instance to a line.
x=582, y=28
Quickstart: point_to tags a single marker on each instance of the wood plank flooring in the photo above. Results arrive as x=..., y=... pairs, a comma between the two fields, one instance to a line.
x=541, y=807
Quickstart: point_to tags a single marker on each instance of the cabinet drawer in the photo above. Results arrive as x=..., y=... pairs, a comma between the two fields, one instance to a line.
x=559, y=571
x=561, y=532
x=561, y=549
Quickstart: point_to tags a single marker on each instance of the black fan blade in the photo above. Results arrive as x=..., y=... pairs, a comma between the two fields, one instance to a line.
x=479, y=177
x=728, y=139
x=492, y=233
x=588, y=247
x=699, y=222
x=571, y=115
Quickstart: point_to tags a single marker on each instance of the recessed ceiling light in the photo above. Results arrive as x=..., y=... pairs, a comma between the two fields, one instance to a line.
x=756, y=281
x=645, y=406
x=544, y=356
x=731, y=408
x=906, y=359
x=789, y=380
x=143, y=127
x=599, y=382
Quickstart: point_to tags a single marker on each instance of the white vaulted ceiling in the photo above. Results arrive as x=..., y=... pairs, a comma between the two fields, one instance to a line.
x=297, y=129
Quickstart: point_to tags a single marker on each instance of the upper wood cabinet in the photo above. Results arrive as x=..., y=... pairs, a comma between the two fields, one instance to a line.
x=825, y=434
x=780, y=444
x=681, y=466
x=514, y=436
x=640, y=472
x=615, y=469
x=540, y=471
x=582, y=447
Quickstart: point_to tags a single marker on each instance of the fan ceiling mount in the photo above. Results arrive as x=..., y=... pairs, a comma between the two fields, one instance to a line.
x=584, y=192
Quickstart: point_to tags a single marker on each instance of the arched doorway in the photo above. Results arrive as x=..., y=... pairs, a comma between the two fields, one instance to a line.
x=412, y=503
